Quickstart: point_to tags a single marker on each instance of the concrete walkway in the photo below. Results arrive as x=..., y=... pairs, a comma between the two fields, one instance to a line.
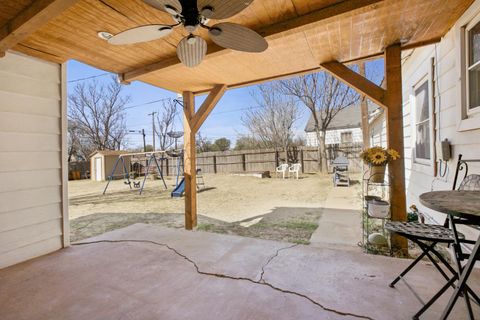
x=148, y=272
x=341, y=222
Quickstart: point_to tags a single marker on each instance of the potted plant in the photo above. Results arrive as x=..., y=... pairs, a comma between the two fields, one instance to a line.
x=377, y=158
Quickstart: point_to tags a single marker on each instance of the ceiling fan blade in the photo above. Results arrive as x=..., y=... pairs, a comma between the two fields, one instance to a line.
x=191, y=50
x=141, y=34
x=165, y=5
x=222, y=9
x=237, y=37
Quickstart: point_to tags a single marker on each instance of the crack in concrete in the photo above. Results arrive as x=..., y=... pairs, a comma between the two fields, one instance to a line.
x=261, y=281
x=271, y=259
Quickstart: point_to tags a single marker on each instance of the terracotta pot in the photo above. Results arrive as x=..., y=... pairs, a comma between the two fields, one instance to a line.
x=377, y=174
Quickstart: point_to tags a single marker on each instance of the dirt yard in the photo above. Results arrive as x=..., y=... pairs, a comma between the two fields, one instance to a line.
x=267, y=208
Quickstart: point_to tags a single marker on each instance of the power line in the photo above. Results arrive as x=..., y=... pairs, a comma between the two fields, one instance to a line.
x=88, y=78
x=146, y=103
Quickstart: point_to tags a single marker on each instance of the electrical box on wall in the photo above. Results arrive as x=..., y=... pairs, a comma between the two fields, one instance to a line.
x=444, y=150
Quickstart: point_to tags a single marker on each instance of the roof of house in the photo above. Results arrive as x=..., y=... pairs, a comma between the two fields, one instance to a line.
x=108, y=152
x=350, y=117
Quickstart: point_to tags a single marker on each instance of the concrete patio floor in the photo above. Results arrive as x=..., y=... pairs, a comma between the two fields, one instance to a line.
x=211, y=276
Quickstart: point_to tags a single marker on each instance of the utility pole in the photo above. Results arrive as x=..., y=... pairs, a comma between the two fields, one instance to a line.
x=144, y=142
x=143, y=134
x=153, y=127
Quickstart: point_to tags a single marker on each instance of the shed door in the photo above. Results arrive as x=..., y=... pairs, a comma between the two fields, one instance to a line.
x=98, y=169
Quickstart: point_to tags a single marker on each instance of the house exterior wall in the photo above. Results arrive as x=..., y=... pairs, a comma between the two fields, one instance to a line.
x=33, y=169
x=442, y=67
x=333, y=136
x=446, y=79
x=378, y=132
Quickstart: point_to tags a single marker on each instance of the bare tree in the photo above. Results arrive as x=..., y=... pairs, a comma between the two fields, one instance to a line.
x=272, y=123
x=79, y=148
x=166, y=123
x=99, y=113
x=325, y=97
x=202, y=143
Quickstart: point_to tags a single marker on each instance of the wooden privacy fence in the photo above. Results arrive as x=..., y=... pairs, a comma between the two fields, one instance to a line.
x=268, y=159
x=78, y=170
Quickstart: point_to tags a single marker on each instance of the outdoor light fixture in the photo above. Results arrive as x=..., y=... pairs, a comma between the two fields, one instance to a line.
x=192, y=15
x=191, y=50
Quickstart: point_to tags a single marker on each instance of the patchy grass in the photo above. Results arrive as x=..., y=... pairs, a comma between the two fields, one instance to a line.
x=294, y=225
x=287, y=210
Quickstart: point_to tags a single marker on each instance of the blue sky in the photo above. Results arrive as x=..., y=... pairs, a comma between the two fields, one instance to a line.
x=224, y=121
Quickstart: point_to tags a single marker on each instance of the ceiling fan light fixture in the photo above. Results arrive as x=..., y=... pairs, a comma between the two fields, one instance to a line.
x=192, y=54
x=191, y=28
x=104, y=35
x=191, y=39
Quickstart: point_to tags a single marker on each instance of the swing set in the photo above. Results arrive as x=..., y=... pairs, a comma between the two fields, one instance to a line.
x=153, y=157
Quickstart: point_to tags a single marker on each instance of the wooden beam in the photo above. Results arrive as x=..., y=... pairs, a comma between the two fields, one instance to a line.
x=30, y=19
x=269, y=32
x=394, y=116
x=190, y=172
x=356, y=81
x=207, y=106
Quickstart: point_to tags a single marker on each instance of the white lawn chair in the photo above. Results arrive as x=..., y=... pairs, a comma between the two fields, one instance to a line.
x=281, y=169
x=295, y=169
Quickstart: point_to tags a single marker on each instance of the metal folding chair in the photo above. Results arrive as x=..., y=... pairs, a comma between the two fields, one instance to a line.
x=427, y=236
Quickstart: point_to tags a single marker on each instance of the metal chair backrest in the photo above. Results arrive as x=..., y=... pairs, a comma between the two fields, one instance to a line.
x=295, y=167
x=468, y=182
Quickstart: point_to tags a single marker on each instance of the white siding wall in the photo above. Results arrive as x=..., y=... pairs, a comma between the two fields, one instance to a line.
x=31, y=189
x=334, y=136
x=447, y=112
x=378, y=132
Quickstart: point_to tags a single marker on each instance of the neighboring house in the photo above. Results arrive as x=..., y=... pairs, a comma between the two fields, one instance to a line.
x=102, y=164
x=441, y=100
x=345, y=128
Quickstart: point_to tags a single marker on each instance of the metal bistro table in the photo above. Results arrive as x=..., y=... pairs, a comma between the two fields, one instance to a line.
x=462, y=207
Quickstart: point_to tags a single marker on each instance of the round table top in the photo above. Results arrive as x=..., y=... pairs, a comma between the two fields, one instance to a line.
x=462, y=204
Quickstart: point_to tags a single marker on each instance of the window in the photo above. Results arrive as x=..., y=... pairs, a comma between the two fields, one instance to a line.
x=422, y=121
x=473, y=66
x=346, y=137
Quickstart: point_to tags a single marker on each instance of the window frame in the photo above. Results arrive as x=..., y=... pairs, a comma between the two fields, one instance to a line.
x=466, y=65
x=426, y=78
x=350, y=133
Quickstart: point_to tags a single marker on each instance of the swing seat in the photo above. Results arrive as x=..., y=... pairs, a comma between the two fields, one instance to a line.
x=136, y=184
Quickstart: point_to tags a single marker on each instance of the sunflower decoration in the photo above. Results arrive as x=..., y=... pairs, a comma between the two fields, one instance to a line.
x=393, y=154
x=378, y=156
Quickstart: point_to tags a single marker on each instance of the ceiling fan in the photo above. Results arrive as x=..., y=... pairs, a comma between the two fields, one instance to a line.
x=192, y=14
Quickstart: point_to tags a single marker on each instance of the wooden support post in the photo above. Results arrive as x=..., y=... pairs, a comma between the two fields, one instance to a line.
x=244, y=162
x=189, y=161
x=215, y=164
x=364, y=111
x=277, y=159
x=302, y=162
x=192, y=121
x=394, y=116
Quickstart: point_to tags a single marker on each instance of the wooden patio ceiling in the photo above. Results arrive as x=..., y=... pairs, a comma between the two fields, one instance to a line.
x=301, y=34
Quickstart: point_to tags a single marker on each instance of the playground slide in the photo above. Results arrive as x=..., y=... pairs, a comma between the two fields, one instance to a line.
x=179, y=190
